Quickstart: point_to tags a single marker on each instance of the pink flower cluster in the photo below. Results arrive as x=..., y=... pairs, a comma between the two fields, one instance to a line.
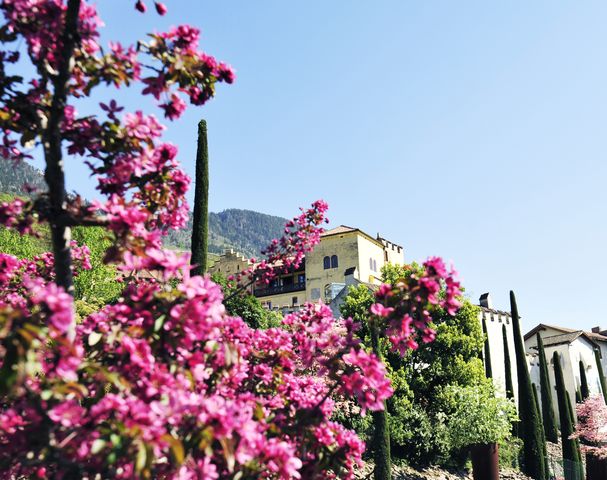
x=404, y=310
x=591, y=428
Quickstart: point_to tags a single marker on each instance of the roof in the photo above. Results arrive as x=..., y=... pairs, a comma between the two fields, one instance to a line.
x=590, y=335
x=566, y=338
x=337, y=230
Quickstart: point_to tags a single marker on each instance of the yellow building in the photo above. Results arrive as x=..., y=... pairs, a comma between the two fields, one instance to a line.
x=323, y=274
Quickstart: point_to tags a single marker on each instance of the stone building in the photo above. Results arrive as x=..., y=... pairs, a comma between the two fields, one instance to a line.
x=572, y=346
x=342, y=252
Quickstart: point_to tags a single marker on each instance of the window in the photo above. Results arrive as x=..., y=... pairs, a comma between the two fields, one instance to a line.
x=374, y=266
x=301, y=278
x=326, y=263
x=334, y=261
x=386, y=254
x=294, y=302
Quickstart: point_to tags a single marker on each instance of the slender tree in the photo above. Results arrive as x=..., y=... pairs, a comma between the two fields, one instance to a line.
x=200, y=226
x=550, y=428
x=571, y=453
x=507, y=365
x=584, y=392
x=578, y=396
x=381, y=434
x=529, y=428
x=539, y=416
x=597, y=358
x=488, y=370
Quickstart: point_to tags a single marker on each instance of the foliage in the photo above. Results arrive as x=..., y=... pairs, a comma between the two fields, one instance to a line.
x=99, y=284
x=246, y=306
x=418, y=410
x=549, y=421
x=571, y=451
x=529, y=428
x=599, y=366
x=14, y=175
x=591, y=428
x=584, y=391
x=162, y=383
x=479, y=416
x=200, y=216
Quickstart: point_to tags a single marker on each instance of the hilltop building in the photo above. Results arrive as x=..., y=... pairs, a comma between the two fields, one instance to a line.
x=345, y=255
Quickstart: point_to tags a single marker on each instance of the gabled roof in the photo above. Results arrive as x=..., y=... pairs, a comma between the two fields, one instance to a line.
x=542, y=326
x=337, y=230
x=567, y=338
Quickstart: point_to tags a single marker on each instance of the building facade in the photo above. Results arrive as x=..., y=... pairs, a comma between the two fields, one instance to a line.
x=342, y=252
x=571, y=346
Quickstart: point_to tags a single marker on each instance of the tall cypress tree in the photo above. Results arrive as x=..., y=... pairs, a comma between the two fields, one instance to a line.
x=488, y=370
x=381, y=434
x=539, y=416
x=200, y=217
x=530, y=430
x=549, y=421
x=507, y=366
x=597, y=357
x=571, y=453
x=584, y=392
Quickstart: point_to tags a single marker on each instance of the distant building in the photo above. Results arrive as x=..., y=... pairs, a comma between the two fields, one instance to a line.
x=495, y=320
x=571, y=347
x=343, y=252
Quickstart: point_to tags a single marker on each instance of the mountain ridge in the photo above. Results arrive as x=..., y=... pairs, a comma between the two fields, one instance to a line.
x=245, y=231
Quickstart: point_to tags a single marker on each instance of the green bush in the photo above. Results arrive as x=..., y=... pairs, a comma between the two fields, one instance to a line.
x=479, y=416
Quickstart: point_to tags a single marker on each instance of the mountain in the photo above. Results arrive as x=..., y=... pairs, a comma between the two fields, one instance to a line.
x=245, y=231
x=13, y=175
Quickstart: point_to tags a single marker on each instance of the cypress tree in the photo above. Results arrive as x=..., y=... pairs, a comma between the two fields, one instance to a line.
x=571, y=453
x=539, y=416
x=578, y=396
x=530, y=431
x=549, y=421
x=488, y=371
x=584, y=392
x=381, y=434
x=597, y=357
x=200, y=217
x=507, y=366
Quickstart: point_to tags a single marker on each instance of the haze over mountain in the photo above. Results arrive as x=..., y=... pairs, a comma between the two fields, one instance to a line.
x=244, y=231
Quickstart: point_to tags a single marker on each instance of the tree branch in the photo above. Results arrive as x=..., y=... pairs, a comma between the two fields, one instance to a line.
x=54, y=173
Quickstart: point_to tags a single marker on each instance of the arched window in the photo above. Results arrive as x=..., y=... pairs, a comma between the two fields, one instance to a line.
x=326, y=263
x=371, y=264
x=334, y=261
x=374, y=266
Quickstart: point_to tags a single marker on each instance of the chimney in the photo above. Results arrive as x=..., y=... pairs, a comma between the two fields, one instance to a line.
x=596, y=329
x=485, y=300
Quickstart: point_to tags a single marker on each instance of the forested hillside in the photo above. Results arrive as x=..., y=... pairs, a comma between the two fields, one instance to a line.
x=243, y=230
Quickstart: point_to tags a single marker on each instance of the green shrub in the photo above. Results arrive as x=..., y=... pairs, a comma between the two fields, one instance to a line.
x=479, y=416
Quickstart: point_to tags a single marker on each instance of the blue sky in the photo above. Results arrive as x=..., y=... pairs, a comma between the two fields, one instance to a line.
x=470, y=130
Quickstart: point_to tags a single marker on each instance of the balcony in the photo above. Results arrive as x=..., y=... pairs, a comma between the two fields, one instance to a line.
x=293, y=287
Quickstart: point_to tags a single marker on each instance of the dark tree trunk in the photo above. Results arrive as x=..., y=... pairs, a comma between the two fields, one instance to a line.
x=200, y=226
x=596, y=468
x=54, y=173
x=381, y=433
x=485, y=462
